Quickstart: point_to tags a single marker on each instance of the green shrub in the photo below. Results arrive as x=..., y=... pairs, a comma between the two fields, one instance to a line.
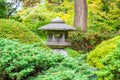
x=111, y=71
x=69, y=69
x=72, y=53
x=104, y=15
x=103, y=49
x=14, y=30
x=34, y=25
x=87, y=41
x=20, y=61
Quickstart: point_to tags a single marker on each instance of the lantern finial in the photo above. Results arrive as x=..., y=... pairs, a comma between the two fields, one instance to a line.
x=57, y=20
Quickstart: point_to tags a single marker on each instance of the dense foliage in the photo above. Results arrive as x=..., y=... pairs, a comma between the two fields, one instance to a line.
x=8, y=7
x=2, y=9
x=111, y=71
x=72, y=52
x=40, y=15
x=69, y=69
x=104, y=15
x=103, y=49
x=20, y=61
x=63, y=6
x=86, y=42
x=34, y=17
x=15, y=30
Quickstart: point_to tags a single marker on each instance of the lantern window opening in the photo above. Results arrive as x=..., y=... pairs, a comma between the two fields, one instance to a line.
x=66, y=37
x=58, y=35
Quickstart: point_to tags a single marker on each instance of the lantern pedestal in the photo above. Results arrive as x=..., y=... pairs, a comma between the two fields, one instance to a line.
x=61, y=51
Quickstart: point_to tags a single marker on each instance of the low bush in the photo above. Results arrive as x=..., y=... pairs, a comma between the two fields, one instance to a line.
x=20, y=61
x=14, y=30
x=72, y=53
x=87, y=41
x=103, y=49
x=34, y=25
x=69, y=69
x=111, y=71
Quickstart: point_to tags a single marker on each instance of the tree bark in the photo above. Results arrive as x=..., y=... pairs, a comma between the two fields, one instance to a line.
x=80, y=17
x=78, y=12
x=84, y=15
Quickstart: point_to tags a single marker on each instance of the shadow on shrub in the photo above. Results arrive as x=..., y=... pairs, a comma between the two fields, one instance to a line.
x=87, y=41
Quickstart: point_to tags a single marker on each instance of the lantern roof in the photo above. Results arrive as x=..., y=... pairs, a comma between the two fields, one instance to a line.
x=57, y=24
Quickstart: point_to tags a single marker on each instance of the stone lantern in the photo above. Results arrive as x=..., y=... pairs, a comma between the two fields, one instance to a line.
x=57, y=35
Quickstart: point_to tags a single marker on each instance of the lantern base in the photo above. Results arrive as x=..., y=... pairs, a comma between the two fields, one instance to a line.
x=60, y=51
x=58, y=45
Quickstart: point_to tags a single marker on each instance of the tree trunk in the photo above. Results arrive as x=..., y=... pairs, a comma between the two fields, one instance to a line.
x=78, y=12
x=80, y=17
x=84, y=16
